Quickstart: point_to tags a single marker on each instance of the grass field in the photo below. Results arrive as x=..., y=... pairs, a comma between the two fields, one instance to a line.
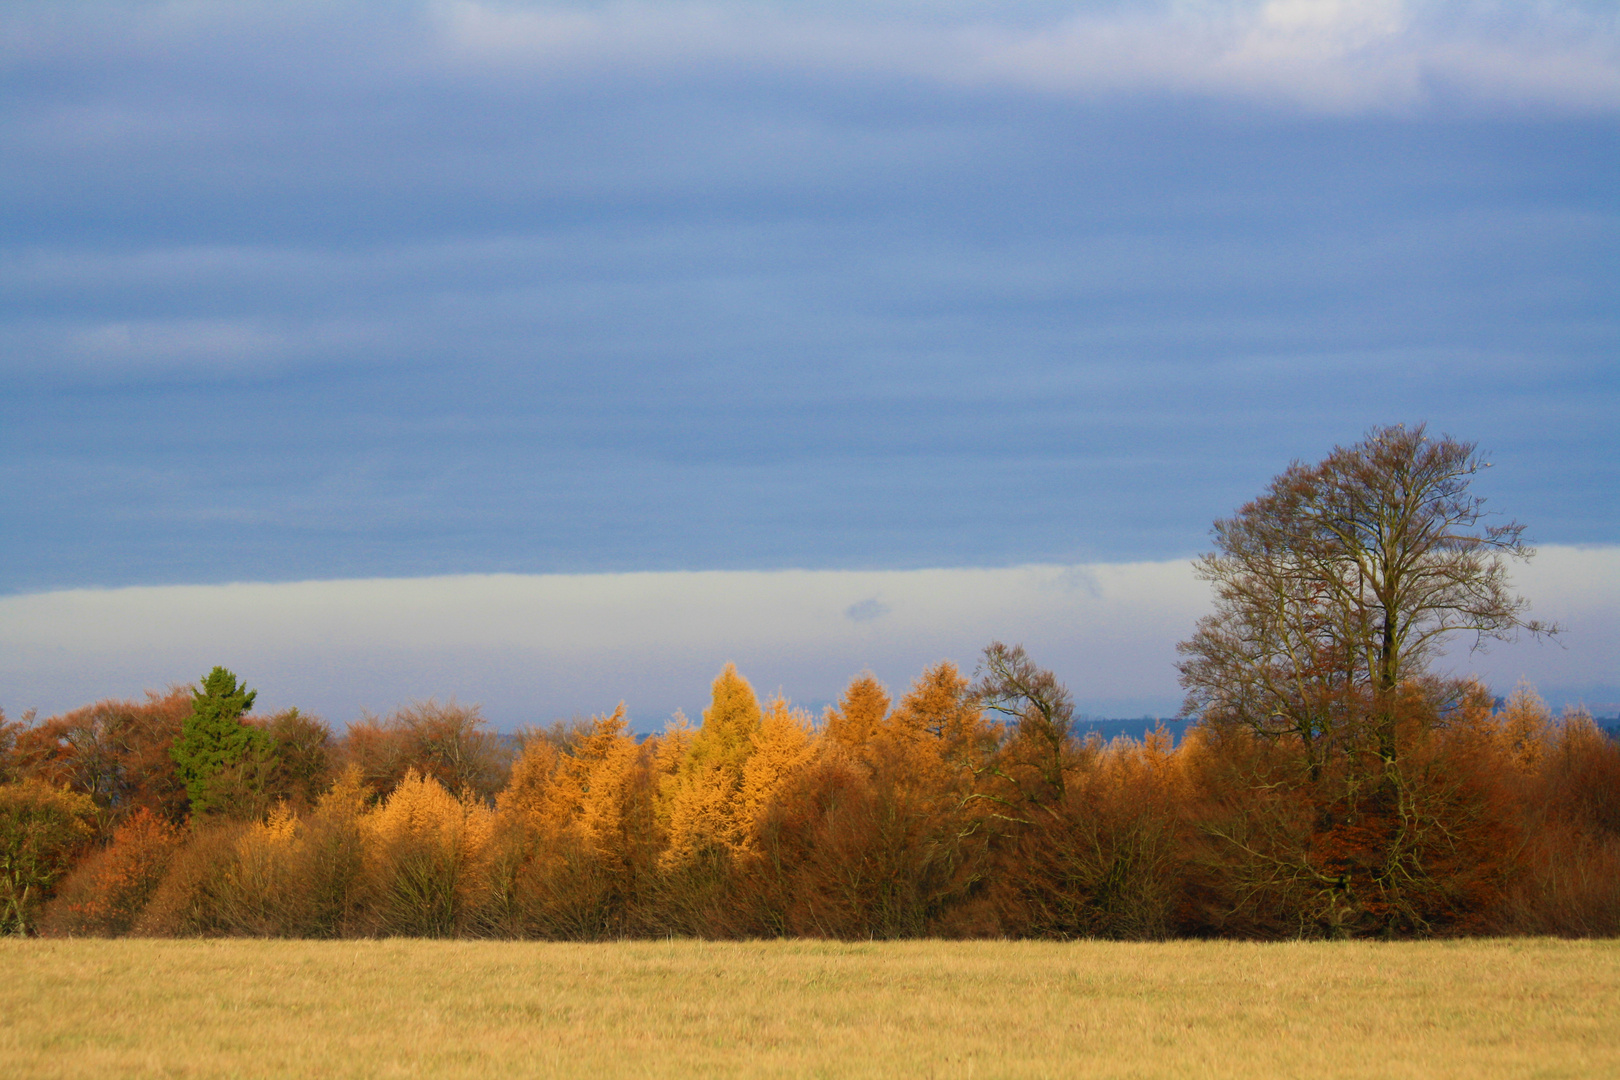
x=1521, y=1008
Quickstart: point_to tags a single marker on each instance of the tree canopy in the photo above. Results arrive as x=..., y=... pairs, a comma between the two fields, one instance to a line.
x=1343, y=580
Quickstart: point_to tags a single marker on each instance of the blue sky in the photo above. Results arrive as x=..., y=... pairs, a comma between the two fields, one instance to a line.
x=303, y=291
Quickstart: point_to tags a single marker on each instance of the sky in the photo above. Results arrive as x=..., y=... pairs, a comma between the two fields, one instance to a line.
x=370, y=343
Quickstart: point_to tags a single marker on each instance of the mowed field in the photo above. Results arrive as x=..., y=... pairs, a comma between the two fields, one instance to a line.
x=1520, y=1008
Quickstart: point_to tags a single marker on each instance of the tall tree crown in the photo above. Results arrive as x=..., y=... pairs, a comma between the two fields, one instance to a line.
x=729, y=723
x=1344, y=579
x=860, y=712
x=214, y=738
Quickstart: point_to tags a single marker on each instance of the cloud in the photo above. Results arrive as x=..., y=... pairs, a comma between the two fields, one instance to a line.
x=866, y=610
x=155, y=350
x=1332, y=56
x=537, y=646
x=533, y=647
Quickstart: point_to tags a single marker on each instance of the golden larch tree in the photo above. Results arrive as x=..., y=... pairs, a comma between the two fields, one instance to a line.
x=859, y=714
x=782, y=746
x=940, y=718
x=705, y=808
x=1523, y=724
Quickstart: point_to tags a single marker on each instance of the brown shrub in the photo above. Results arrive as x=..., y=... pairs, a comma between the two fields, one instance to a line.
x=190, y=901
x=285, y=876
x=1252, y=818
x=106, y=894
x=1355, y=844
x=552, y=883
x=1108, y=859
x=875, y=840
x=1569, y=880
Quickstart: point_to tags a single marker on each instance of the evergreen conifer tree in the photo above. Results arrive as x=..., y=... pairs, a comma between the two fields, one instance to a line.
x=214, y=738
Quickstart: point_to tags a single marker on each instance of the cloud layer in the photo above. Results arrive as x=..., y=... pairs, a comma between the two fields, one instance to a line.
x=1337, y=56
x=534, y=648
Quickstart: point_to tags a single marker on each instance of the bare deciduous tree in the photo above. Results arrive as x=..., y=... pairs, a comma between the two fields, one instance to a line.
x=1041, y=711
x=1342, y=582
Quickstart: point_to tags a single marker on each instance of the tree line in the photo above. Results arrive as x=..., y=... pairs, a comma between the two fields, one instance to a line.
x=1333, y=785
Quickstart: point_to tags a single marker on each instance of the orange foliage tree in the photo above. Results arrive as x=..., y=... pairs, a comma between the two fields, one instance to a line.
x=115, y=752
x=108, y=891
x=578, y=834
x=448, y=742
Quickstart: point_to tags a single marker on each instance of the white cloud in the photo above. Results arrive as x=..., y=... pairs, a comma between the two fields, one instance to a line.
x=531, y=647
x=536, y=647
x=1578, y=588
x=1330, y=56
x=1335, y=56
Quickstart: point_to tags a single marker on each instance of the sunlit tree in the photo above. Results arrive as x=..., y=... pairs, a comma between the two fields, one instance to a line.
x=859, y=714
x=1343, y=581
x=783, y=745
x=705, y=794
x=42, y=829
x=214, y=738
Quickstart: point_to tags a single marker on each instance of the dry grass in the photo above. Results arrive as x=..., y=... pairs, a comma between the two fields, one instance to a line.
x=408, y=1008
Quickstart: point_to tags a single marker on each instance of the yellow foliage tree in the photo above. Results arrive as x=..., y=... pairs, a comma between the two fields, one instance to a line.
x=783, y=745
x=859, y=714
x=575, y=824
x=940, y=718
x=669, y=749
x=1522, y=725
x=261, y=884
x=589, y=791
x=421, y=808
x=531, y=796
x=705, y=809
x=427, y=851
x=609, y=755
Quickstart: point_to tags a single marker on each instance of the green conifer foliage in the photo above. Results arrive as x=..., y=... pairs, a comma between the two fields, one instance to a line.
x=213, y=738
